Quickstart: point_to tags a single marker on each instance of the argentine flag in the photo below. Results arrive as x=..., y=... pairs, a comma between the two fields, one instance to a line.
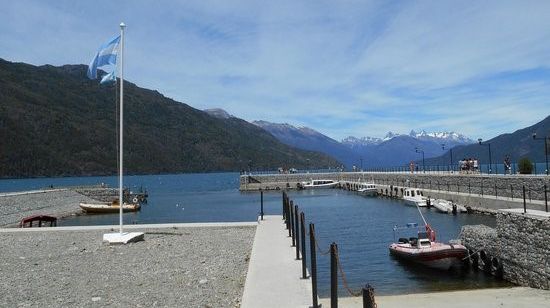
x=108, y=78
x=106, y=55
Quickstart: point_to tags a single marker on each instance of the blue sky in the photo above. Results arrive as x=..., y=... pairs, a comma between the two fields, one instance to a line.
x=358, y=68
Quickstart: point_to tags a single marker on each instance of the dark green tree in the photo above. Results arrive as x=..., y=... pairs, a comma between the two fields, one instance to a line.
x=525, y=166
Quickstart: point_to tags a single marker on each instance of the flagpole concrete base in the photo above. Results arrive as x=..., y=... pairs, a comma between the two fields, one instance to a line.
x=123, y=238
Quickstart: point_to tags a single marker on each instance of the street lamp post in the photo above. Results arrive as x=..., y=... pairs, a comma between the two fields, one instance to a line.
x=490, y=158
x=545, y=149
x=361, y=159
x=423, y=162
x=450, y=152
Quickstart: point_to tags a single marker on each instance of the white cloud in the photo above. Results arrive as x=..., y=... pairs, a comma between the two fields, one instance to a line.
x=344, y=68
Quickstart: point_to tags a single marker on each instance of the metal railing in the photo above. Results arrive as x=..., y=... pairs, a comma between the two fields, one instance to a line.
x=497, y=168
x=295, y=171
x=537, y=169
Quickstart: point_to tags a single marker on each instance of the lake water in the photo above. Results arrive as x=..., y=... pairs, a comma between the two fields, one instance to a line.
x=361, y=226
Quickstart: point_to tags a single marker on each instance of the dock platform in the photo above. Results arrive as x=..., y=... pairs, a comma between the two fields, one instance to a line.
x=274, y=274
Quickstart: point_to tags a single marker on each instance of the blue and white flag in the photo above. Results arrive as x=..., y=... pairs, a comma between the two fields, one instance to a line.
x=108, y=78
x=106, y=55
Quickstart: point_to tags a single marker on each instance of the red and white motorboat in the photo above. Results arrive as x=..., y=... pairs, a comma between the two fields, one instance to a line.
x=425, y=250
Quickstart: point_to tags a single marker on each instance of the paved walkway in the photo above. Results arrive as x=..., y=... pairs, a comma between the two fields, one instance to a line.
x=274, y=275
x=485, y=298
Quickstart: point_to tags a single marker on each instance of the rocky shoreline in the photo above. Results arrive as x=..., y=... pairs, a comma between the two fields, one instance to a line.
x=55, y=202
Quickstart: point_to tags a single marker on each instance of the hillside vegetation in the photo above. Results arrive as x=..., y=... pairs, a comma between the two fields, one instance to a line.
x=56, y=122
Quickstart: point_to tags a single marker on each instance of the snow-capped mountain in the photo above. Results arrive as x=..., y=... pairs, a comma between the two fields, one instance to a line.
x=392, y=150
x=449, y=138
x=363, y=141
x=390, y=135
x=443, y=136
x=396, y=149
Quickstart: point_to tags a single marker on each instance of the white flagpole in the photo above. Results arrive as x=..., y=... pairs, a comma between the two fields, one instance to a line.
x=120, y=187
x=121, y=238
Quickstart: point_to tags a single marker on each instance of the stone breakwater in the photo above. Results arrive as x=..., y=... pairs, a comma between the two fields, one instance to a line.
x=491, y=185
x=103, y=194
x=55, y=202
x=519, y=247
x=184, y=267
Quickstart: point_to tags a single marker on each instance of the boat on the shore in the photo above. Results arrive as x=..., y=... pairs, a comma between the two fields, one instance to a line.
x=112, y=207
x=38, y=221
x=445, y=206
x=414, y=197
x=367, y=189
x=319, y=184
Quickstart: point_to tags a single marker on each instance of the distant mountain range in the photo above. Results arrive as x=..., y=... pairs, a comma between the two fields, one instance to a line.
x=516, y=145
x=399, y=149
x=394, y=149
x=448, y=138
x=311, y=140
x=56, y=122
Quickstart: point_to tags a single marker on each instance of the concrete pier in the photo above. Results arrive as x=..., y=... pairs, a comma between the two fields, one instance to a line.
x=274, y=275
x=476, y=201
x=506, y=185
x=491, y=192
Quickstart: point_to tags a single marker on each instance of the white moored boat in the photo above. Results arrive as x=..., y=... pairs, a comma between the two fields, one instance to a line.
x=319, y=184
x=445, y=206
x=367, y=189
x=109, y=207
x=442, y=206
x=413, y=196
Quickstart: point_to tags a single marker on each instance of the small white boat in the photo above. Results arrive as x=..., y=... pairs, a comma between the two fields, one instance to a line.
x=445, y=206
x=460, y=208
x=367, y=189
x=415, y=197
x=109, y=207
x=319, y=184
x=442, y=206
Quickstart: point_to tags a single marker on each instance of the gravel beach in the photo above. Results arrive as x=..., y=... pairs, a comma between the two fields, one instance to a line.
x=184, y=267
x=57, y=203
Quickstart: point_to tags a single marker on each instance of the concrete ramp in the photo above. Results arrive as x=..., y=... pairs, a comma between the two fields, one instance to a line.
x=274, y=275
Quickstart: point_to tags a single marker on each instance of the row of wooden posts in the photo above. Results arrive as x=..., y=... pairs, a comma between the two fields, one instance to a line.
x=296, y=226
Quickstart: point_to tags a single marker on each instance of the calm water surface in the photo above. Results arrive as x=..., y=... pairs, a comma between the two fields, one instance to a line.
x=361, y=226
